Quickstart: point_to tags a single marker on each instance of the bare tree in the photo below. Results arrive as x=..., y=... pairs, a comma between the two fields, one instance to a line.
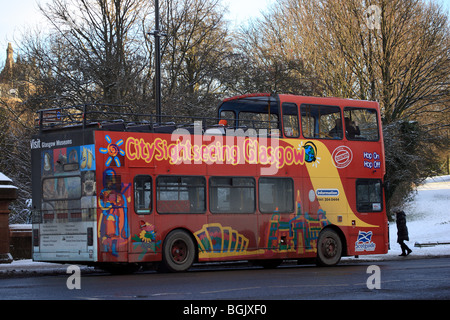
x=194, y=51
x=15, y=162
x=274, y=55
x=99, y=51
x=95, y=46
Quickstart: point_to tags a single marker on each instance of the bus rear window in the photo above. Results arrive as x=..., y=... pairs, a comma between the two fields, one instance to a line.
x=61, y=188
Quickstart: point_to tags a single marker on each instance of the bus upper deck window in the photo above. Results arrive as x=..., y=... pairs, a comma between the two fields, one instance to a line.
x=258, y=120
x=321, y=122
x=227, y=116
x=290, y=120
x=361, y=124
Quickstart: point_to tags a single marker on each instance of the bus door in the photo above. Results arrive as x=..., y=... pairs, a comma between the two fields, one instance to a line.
x=143, y=244
x=278, y=215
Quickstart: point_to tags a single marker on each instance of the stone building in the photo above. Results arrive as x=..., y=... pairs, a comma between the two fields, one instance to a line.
x=8, y=193
x=15, y=77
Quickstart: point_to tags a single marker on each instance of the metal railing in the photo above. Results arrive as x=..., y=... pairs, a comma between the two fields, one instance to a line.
x=122, y=118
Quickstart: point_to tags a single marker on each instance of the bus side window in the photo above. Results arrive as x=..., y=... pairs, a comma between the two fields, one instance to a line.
x=361, y=124
x=229, y=117
x=181, y=194
x=232, y=195
x=290, y=120
x=143, y=194
x=276, y=195
x=368, y=195
x=321, y=122
x=61, y=188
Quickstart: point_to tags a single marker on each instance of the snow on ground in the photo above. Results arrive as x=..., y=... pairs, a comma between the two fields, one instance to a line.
x=428, y=216
x=427, y=219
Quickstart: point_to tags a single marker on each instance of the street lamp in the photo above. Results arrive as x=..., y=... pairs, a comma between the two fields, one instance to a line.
x=157, y=34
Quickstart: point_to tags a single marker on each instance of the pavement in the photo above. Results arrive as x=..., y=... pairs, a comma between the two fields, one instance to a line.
x=27, y=267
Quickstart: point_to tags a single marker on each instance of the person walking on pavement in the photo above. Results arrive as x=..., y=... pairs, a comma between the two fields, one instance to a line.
x=402, y=232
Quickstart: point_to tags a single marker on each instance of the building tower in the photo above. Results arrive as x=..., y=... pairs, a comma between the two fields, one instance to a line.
x=7, y=72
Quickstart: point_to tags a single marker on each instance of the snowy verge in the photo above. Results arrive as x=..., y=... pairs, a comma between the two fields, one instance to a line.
x=428, y=221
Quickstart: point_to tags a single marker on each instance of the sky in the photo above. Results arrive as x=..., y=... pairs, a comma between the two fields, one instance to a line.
x=18, y=15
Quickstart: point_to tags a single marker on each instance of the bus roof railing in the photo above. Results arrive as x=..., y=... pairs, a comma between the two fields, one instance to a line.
x=122, y=118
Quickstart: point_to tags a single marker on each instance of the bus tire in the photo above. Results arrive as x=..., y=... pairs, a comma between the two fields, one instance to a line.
x=178, y=251
x=329, y=248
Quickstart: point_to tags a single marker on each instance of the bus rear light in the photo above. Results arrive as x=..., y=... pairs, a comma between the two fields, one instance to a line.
x=75, y=215
x=36, y=237
x=63, y=215
x=49, y=216
x=90, y=236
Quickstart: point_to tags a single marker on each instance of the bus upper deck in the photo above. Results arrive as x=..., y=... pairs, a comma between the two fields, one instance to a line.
x=319, y=117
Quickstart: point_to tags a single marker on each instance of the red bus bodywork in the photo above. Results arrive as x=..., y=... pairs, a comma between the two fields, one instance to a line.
x=194, y=179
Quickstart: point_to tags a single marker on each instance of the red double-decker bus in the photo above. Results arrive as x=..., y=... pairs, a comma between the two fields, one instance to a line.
x=273, y=177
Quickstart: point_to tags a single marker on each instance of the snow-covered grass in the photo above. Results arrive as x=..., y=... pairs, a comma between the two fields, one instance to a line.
x=427, y=219
x=428, y=216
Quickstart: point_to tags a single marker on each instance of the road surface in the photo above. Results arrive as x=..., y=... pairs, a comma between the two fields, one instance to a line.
x=422, y=279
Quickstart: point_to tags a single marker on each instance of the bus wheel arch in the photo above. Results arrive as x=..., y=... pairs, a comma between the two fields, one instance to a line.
x=331, y=247
x=179, y=251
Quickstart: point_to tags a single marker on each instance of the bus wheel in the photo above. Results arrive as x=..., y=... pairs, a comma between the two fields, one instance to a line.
x=178, y=251
x=329, y=248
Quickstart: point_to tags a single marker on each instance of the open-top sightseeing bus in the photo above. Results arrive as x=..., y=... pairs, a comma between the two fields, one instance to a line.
x=274, y=177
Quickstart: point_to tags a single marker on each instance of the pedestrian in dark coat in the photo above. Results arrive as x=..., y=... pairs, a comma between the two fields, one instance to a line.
x=402, y=232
